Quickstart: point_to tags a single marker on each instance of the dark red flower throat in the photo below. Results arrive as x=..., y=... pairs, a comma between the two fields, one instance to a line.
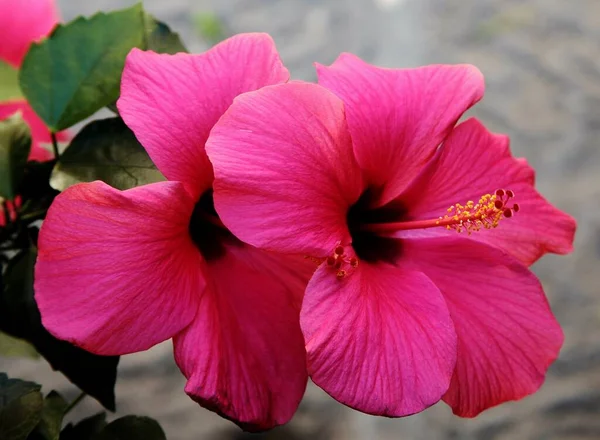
x=207, y=231
x=368, y=244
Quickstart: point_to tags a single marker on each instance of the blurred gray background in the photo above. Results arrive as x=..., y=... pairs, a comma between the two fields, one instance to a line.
x=541, y=61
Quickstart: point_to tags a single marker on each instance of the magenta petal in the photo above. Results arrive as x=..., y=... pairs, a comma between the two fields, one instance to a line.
x=285, y=173
x=171, y=102
x=40, y=134
x=116, y=271
x=21, y=23
x=474, y=162
x=507, y=335
x=244, y=354
x=398, y=117
x=380, y=340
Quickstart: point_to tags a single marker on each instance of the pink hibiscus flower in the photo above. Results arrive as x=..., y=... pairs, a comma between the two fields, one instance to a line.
x=120, y=271
x=21, y=23
x=402, y=311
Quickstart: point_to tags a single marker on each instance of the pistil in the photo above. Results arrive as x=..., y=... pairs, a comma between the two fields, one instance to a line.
x=471, y=217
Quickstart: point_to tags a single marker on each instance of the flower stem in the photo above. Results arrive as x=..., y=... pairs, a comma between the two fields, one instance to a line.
x=74, y=403
x=33, y=216
x=54, y=145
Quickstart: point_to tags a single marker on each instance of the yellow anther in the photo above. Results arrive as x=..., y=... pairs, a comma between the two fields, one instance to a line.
x=486, y=213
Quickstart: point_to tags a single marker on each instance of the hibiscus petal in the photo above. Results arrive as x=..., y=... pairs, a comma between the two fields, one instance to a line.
x=244, y=354
x=380, y=340
x=398, y=117
x=474, y=162
x=116, y=271
x=507, y=335
x=21, y=23
x=285, y=174
x=171, y=102
x=40, y=134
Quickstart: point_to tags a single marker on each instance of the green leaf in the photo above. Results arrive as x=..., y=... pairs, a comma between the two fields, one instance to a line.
x=15, y=143
x=85, y=429
x=160, y=38
x=15, y=347
x=20, y=317
x=21, y=406
x=132, y=428
x=52, y=417
x=9, y=83
x=77, y=69
x=105, y=150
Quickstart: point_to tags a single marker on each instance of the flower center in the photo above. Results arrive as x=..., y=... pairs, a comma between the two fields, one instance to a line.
x=370, y=245
x=370, y=228
x=207, y=231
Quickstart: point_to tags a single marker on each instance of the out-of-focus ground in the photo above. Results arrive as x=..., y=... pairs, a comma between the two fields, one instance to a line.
x=541, y=60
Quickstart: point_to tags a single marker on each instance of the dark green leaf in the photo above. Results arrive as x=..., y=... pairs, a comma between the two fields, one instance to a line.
x=113, y=108
x=160, y=38
x=52, y=417
x=85, y=429
x=15, y=143
x=15, y=347
x=9, y=83
x=21, y=406
x=20, y=317
x=105, y=150
x=13, y=389
x=132, y=428
x=77, y=69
